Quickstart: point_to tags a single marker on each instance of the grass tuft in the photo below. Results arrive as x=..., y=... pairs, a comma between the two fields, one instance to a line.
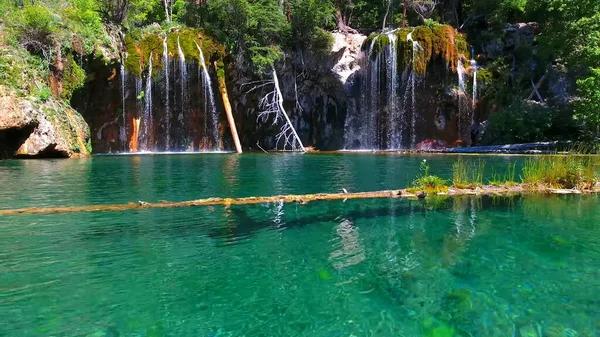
x=467, y=175
x=557, y=171
x=428, y=183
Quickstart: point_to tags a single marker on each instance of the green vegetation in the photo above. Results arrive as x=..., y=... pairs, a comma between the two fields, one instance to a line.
x=466, y=175
x=428, y=183
x=508, y=179
x=554, y=171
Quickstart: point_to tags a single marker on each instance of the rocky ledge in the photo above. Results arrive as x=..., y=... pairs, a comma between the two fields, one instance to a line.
x=32, y=127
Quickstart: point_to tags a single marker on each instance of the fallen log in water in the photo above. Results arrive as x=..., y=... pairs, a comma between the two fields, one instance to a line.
x=301, y=199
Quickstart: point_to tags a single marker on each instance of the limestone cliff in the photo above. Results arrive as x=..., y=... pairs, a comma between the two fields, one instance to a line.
x=31, y=128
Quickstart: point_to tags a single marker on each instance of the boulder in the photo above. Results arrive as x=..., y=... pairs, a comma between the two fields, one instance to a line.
x=29, y=128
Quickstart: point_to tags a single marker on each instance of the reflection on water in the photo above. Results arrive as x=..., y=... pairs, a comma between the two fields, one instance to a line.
x=451, y=267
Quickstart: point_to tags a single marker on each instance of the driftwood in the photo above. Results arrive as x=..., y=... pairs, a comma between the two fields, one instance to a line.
x=300, y=199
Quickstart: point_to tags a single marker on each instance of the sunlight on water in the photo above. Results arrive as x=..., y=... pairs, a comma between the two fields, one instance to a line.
x=442, y=267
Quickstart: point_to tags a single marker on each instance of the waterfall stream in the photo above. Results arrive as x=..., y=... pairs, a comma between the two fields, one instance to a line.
x=167, y=99
x=210, y=108
x=146, y=131
x=184, y=83
x=123, y=130
x=413, y=82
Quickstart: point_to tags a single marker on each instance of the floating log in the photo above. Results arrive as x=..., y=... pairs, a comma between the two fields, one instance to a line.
x=301, y=199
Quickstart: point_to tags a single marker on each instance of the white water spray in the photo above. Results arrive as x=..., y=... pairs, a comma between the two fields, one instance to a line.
x=147, y=117
x=413, y=83
x=461, y=75
x=167, y=93
x=211, y=100
x=123, y=133
x=396, y=113
x=475, y=68
x=183, y=80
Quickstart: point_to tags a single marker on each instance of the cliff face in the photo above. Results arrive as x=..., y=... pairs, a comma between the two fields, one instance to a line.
x=30, y=128
x=165, y=95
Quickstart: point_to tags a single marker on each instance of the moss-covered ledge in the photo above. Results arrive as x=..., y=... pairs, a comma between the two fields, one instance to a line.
x=439, y=41
x=139, y=49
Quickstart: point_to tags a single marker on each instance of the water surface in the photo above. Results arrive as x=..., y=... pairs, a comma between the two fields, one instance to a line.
x=455, y=267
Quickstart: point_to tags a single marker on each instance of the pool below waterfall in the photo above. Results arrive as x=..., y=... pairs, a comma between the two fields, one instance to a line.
x=466, y=266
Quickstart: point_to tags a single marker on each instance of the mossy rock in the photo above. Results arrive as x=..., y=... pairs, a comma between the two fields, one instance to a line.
x=139, y=51
x=440, y=41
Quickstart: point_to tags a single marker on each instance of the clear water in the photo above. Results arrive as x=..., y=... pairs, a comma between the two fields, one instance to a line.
x=456, y=267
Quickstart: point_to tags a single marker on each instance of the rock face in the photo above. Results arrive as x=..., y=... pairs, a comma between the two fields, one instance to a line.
x=347, y=48
x=320, y=91
x=29, y=129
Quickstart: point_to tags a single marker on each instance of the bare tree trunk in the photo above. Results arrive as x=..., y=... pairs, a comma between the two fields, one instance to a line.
x=342, y=25
x=229, y=112
x=404, y=14
x=281, y=108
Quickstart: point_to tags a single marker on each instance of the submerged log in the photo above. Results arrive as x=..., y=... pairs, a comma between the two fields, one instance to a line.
x=300, y=199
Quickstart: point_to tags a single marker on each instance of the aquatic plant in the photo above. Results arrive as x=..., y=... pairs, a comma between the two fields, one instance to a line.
x=428, y=183
x=465, y=175
x=559, y=171
x=508, y=179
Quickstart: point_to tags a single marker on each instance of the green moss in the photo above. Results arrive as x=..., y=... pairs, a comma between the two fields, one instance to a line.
x=73, y=77
x=132, y=62
x=379, y=44
x=424, y=35
x=139, y=50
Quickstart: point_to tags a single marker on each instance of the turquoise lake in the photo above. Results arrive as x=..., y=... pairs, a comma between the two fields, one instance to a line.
x=466, y=266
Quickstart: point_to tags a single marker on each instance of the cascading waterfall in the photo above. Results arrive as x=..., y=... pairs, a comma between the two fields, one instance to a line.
x=167, y=100
x=465, y=109
x=396, y=111
x=413, y=83
x=460, y=70
x=210, y=108
x=123, y=133
x=475, y=68
x=147, y=118
x=184, y=83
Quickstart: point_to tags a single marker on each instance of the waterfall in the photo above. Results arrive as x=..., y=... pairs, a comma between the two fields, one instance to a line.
x=464, y=108
x=184, y=81
x=475, y=68
x=123, y=133
x=460, y=69
x=386, y=97
x=413, y=83
x=167, y=102
x=209, y=104
x=146, y=131
x=395, y=111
